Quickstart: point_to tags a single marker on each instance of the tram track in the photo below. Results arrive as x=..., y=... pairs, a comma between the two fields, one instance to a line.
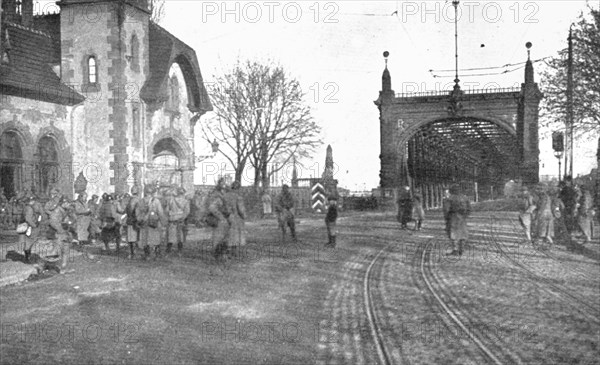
x=517, y=227
x=581, y=305
x=492, y=348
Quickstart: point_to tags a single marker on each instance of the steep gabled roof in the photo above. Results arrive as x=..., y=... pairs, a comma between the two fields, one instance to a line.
x=166, y=49
x=29, y=73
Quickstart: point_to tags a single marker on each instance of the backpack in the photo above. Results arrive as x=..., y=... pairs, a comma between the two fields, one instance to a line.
x=152, y=219
x=130, y=210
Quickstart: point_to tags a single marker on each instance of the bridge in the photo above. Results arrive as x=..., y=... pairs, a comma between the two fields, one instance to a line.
x=479, y=139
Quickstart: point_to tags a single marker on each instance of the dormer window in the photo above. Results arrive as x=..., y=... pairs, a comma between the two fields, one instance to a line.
x=92, y=70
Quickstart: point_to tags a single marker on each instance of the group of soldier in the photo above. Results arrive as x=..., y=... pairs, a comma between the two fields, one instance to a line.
x=565, y=211
x=160, y=218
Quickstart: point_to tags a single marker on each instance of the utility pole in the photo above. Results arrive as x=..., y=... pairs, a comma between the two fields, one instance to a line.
x=569, y=120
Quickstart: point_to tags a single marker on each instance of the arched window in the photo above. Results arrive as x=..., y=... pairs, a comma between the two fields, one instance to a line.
x=135, y=51
x=174, y=94
x=11, y=164
x=92, y=70
x=48, y=164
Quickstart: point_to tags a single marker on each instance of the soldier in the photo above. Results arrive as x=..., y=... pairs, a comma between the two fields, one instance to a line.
x=544, y=218
x=526, y=212
x=418, y=213
x=267, y=203
x=456, y=210
x=330, y=220
x=57, y=209
x=32, y=217
x=237, y=234
x=133, y=230
x=284, y=206
x=94, y=206
x=108, y=216
x=568, y=195
x=405, y=206
x=217, y=217
x=84, y=215
x=151, y=218
x=585, y=213
x=174, y=209
x=185, y=202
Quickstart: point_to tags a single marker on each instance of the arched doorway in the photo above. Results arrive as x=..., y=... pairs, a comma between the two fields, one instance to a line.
x=11, y=163
x=166, y=163
x=48, y=165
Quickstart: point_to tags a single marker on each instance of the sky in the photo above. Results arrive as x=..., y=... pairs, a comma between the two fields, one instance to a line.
x=334, y=48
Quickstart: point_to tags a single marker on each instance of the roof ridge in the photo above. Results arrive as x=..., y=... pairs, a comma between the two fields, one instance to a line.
x=32, y=30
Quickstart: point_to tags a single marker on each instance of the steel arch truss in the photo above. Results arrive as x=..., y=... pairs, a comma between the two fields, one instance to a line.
x=477, y=154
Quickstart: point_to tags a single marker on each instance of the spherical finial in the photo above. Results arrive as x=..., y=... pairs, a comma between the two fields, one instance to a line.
x=528, y=45
x=386, y=54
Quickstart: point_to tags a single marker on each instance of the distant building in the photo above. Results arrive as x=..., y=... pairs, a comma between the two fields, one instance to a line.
x=98, y=89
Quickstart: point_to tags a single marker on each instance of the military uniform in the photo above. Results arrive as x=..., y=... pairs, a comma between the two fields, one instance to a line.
x=237, y=228
x=152, y=220
x=108, y=216
x=330, y=222
x=133, y=229
x=418, y=213
x=57, y=214
x=177, y=210
x=32, y=218
x=456, y=210
x=84, y=217
x=284, y=206
x=585, y=213
x=217, y=218
x=405, y=207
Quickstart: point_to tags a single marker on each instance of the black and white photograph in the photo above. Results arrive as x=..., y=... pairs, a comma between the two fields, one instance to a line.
x=299, y=182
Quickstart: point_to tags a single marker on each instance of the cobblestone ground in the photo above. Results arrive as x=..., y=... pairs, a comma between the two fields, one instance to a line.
x=304, y=303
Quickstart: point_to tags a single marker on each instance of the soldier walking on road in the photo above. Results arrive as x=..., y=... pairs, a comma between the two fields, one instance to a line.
x=456, y=210
x=284, y=206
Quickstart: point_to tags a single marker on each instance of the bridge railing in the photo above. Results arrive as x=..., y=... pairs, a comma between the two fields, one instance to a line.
x=496, y=90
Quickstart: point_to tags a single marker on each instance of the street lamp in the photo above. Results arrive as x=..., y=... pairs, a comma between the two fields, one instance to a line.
x=214, y=148
x=558, y=147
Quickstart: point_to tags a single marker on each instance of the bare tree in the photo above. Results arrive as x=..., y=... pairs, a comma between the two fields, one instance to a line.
x=262, y=119
x=157, y=10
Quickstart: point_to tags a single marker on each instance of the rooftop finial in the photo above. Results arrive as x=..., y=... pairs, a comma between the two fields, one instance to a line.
x=528, y=45
x=385, y=55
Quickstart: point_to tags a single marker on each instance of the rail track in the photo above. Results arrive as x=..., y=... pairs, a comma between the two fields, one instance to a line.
x=383, y=352
x=491, y=348
x=581, y=305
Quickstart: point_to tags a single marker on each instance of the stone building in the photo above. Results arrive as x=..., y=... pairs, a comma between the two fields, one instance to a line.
x=98, y=90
